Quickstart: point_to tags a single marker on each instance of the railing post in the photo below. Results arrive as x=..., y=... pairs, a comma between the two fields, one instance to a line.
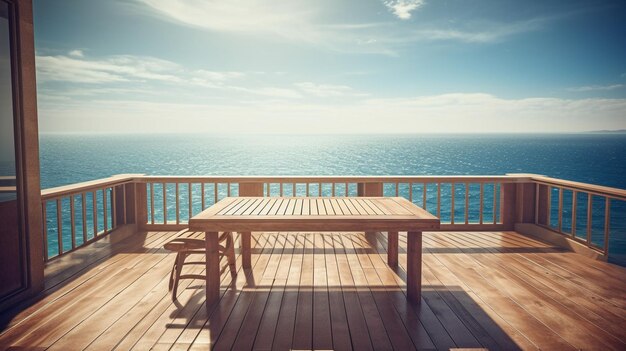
x=119, y=206
x=508, y=205
x=139, y=203
x=525, y=198
x=251, y=189
x=542, y=204
x=370, y=189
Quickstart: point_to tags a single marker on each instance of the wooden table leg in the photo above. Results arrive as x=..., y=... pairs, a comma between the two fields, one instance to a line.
x=246, y=250
x=414, y=266
x=212, y=268
x=392, y=249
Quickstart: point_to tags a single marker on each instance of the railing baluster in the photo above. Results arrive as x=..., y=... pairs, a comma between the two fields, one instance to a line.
x=113, y=209
x=44, y=219
x=84, y=213
x=466, y=203
x=73, y=222
x=549, y=214
x=164, y=203
x=439, y=200
x=105, y=209
x=411, y=192
x=228, y=190
x=319, y=189
x=202, y=200
x=574, y=205
x=152, y=203
x=59, y=227
x=482, y=202
x=124, y=203
x=215, y=193
x=94, y=202
x=397, y=189
x=607, y=223
x=589, y=213
x=176, y=186
x=347, y=189
x=424, y=189
x=537, y=203
x=307, y=189
x=452, y=190
x=293, y=189
x=560, y=210
x=495, y=196
x=190, y=201
x=281, y=188
x=333, y=185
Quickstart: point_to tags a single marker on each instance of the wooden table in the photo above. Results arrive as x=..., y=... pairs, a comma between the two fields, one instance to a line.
x=315, y=214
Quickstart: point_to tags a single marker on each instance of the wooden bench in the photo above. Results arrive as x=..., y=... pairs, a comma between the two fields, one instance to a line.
x=189, y=243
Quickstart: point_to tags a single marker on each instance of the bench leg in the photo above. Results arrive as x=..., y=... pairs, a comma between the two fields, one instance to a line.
x=212, y=268
x=392, y=249
x=246, y=250
x=414, y=266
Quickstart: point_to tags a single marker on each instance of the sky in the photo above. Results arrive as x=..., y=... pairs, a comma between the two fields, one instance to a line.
x=330, y=66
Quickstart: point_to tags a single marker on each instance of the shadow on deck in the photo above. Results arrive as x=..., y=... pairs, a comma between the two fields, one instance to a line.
x=495, y=290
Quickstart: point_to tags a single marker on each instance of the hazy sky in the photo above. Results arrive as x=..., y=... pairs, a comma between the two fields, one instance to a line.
x=336, y=66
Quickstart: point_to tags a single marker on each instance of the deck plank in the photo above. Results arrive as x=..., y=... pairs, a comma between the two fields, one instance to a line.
x=285, y=325
x=303, y=326
x=495, y=290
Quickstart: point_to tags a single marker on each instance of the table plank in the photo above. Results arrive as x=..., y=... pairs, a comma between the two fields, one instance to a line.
x=351, y=208
x=266, y=202
x=273, y=202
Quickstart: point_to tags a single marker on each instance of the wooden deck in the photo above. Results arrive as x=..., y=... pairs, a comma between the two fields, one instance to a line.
x=331, y=291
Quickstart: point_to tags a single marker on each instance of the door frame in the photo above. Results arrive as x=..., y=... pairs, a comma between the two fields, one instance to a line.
x=26, y=140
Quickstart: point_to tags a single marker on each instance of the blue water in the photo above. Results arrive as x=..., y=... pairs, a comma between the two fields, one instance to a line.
x=591, y=158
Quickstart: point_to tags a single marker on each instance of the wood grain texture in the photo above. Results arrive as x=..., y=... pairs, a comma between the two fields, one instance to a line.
x=492, y=290
x=315, y=214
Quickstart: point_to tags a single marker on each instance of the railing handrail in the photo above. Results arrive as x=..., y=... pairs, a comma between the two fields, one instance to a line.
x=77, y=188
x=614, y=193
x=337, y=179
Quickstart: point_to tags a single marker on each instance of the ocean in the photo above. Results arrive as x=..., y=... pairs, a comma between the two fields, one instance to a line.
x=590, y=158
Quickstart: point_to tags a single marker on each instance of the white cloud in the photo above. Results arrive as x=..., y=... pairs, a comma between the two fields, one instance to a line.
x=326, y=90
x=596, y=88
x=403, y=8
x=270, y=92
x=112, y=69
x=446, y=113
x=218, y=76
x=128, y=71
x=124, y=68
x=481, y=33
x=284, y=18
x=305, y=22
x=76, y=53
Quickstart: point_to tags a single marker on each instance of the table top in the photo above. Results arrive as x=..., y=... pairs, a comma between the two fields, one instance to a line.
x=314, y=214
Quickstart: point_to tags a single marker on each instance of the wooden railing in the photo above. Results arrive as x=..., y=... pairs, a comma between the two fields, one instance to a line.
x=79, y=214
x=82, y=213
x=471, y=201
x=578, y=210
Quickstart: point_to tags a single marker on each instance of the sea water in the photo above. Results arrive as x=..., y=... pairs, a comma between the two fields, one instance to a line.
x=590, y=158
